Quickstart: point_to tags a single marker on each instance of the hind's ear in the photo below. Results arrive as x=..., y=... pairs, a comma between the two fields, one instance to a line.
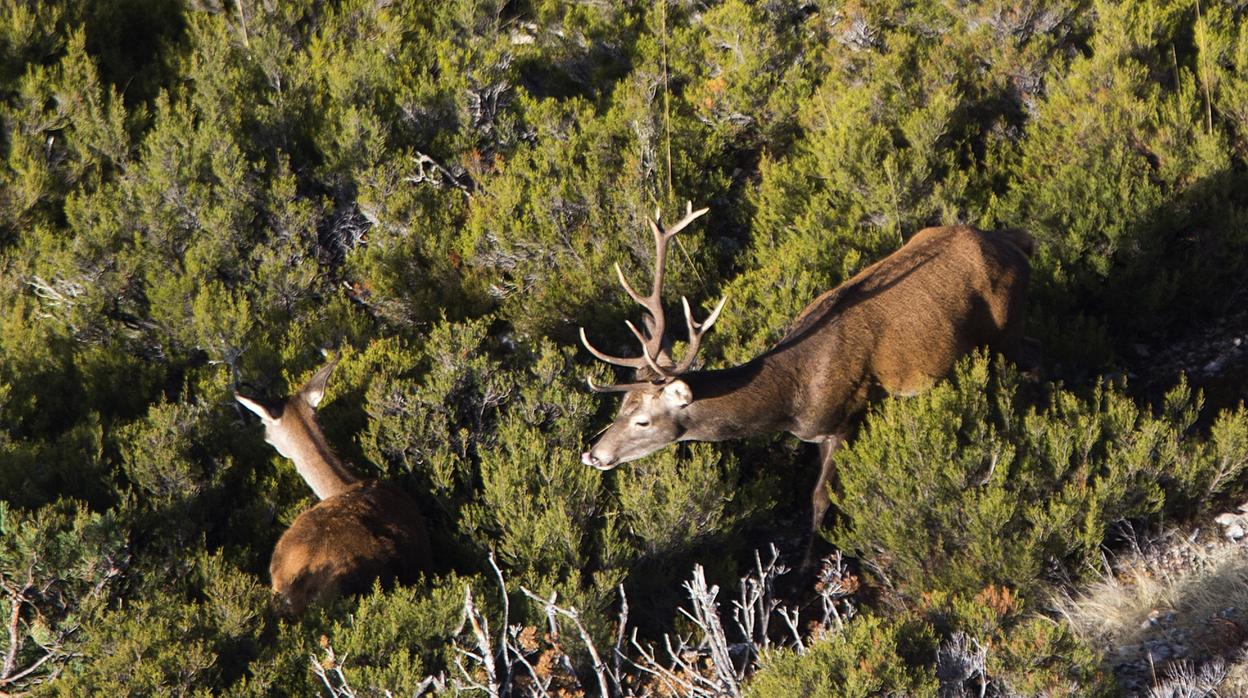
x=314, y=390
x=260, y=410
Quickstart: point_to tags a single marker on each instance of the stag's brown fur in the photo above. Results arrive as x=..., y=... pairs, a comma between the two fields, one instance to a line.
x=895, y=328
x=360, y=531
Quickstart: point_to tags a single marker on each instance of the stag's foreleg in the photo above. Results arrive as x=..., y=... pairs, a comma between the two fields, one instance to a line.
x=819, y=498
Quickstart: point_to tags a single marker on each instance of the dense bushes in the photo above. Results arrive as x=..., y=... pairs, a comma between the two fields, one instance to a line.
x=200, y=196
x=991, y=501
x=990, y=492
x=872, y=657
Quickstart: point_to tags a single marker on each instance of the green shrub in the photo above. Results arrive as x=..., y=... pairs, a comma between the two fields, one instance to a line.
x=871, y=657
x=197, y=197
x=986, y=492
x=1020, y=652
x=59, y=566
x=392, y=640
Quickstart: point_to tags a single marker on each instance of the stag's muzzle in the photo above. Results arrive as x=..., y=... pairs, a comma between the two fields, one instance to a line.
x=592, y=461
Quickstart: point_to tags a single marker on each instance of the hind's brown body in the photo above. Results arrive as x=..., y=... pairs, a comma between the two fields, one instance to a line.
x=360, y=532
x=372, y=531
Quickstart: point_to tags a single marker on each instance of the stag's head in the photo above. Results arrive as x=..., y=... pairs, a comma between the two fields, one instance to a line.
x=652, y=414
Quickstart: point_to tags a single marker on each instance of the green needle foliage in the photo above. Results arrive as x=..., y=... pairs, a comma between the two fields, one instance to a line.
x=197, y=196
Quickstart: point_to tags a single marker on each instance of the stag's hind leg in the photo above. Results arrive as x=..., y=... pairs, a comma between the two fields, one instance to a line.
x=819, y=498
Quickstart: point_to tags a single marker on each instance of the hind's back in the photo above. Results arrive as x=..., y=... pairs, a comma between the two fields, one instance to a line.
x=372, y=531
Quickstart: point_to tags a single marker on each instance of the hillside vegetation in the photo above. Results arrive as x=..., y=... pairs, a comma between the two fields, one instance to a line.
x=198, y=196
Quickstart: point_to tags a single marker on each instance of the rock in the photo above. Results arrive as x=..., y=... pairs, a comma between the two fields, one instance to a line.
x=1160, y=651
x=1226, y=519
x=1213, y=367
x=1234, y=531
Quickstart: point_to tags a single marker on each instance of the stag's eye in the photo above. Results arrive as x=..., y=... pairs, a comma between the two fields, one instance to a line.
x=641, y=423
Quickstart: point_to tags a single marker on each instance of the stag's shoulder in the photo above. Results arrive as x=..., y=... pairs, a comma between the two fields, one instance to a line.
x=965, y=236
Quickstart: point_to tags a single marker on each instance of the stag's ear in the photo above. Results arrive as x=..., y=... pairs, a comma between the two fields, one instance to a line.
x=677, y=394
x=260, y=410
x=314, y=389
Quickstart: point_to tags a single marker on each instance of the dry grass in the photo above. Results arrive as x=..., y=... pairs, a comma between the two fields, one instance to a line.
x=1166, y=612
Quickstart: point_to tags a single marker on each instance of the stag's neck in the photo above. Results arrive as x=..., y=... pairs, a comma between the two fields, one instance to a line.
x=324, y=472
x=747, y=400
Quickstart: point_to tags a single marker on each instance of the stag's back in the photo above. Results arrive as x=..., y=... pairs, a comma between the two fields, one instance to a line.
x=371, y=531
x=902, y=323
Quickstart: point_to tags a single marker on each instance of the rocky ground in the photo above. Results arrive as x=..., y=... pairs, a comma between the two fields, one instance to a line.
x=1171, y=615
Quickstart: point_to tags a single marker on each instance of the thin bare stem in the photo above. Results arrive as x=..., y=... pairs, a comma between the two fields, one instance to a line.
x=242, y=22
x=573, y=615
x=17, y=597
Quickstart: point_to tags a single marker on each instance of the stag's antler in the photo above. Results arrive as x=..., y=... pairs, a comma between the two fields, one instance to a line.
x=655, y=323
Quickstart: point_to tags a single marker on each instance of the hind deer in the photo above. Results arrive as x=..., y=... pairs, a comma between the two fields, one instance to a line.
x=360, y=531
x=894, y=328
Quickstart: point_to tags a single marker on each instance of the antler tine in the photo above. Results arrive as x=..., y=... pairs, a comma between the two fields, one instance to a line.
x=615, y=388
x=690, y=216
x=665, y=234
x=653, y=303
x=628, y=288
x=696, y=330
x=655, y=326
x=626, y=362
x=652, y=361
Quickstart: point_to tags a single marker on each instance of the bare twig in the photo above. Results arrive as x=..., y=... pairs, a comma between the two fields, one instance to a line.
x=753, y=610
x=706, y=615
x=329, y=671
x=790, y=619
x=617, y=652
x=701, y=665
x=835, y=584
x=551, y=609
x=17, y=599
x=422, y=175
x=484, y=654
x=503, y=627
x=538, y=682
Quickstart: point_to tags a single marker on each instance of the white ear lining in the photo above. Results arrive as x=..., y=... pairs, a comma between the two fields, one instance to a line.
x=260, y=410
x=314, y=396
x=314, y=390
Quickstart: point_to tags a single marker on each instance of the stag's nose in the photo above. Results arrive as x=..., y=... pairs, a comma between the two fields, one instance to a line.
x=592, y=461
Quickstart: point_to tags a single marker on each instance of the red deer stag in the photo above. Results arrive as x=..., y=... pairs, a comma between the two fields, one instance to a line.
x=361, y=530
x=895, y=328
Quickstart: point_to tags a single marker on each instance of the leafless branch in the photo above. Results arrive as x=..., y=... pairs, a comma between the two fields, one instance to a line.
x=423, y=175
x=791, y=620
x=503, y=627
x=329, y=671
x=701, y=665
x=834, y=586
x=484, y=656
x=752, y=612
x=552, y=609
